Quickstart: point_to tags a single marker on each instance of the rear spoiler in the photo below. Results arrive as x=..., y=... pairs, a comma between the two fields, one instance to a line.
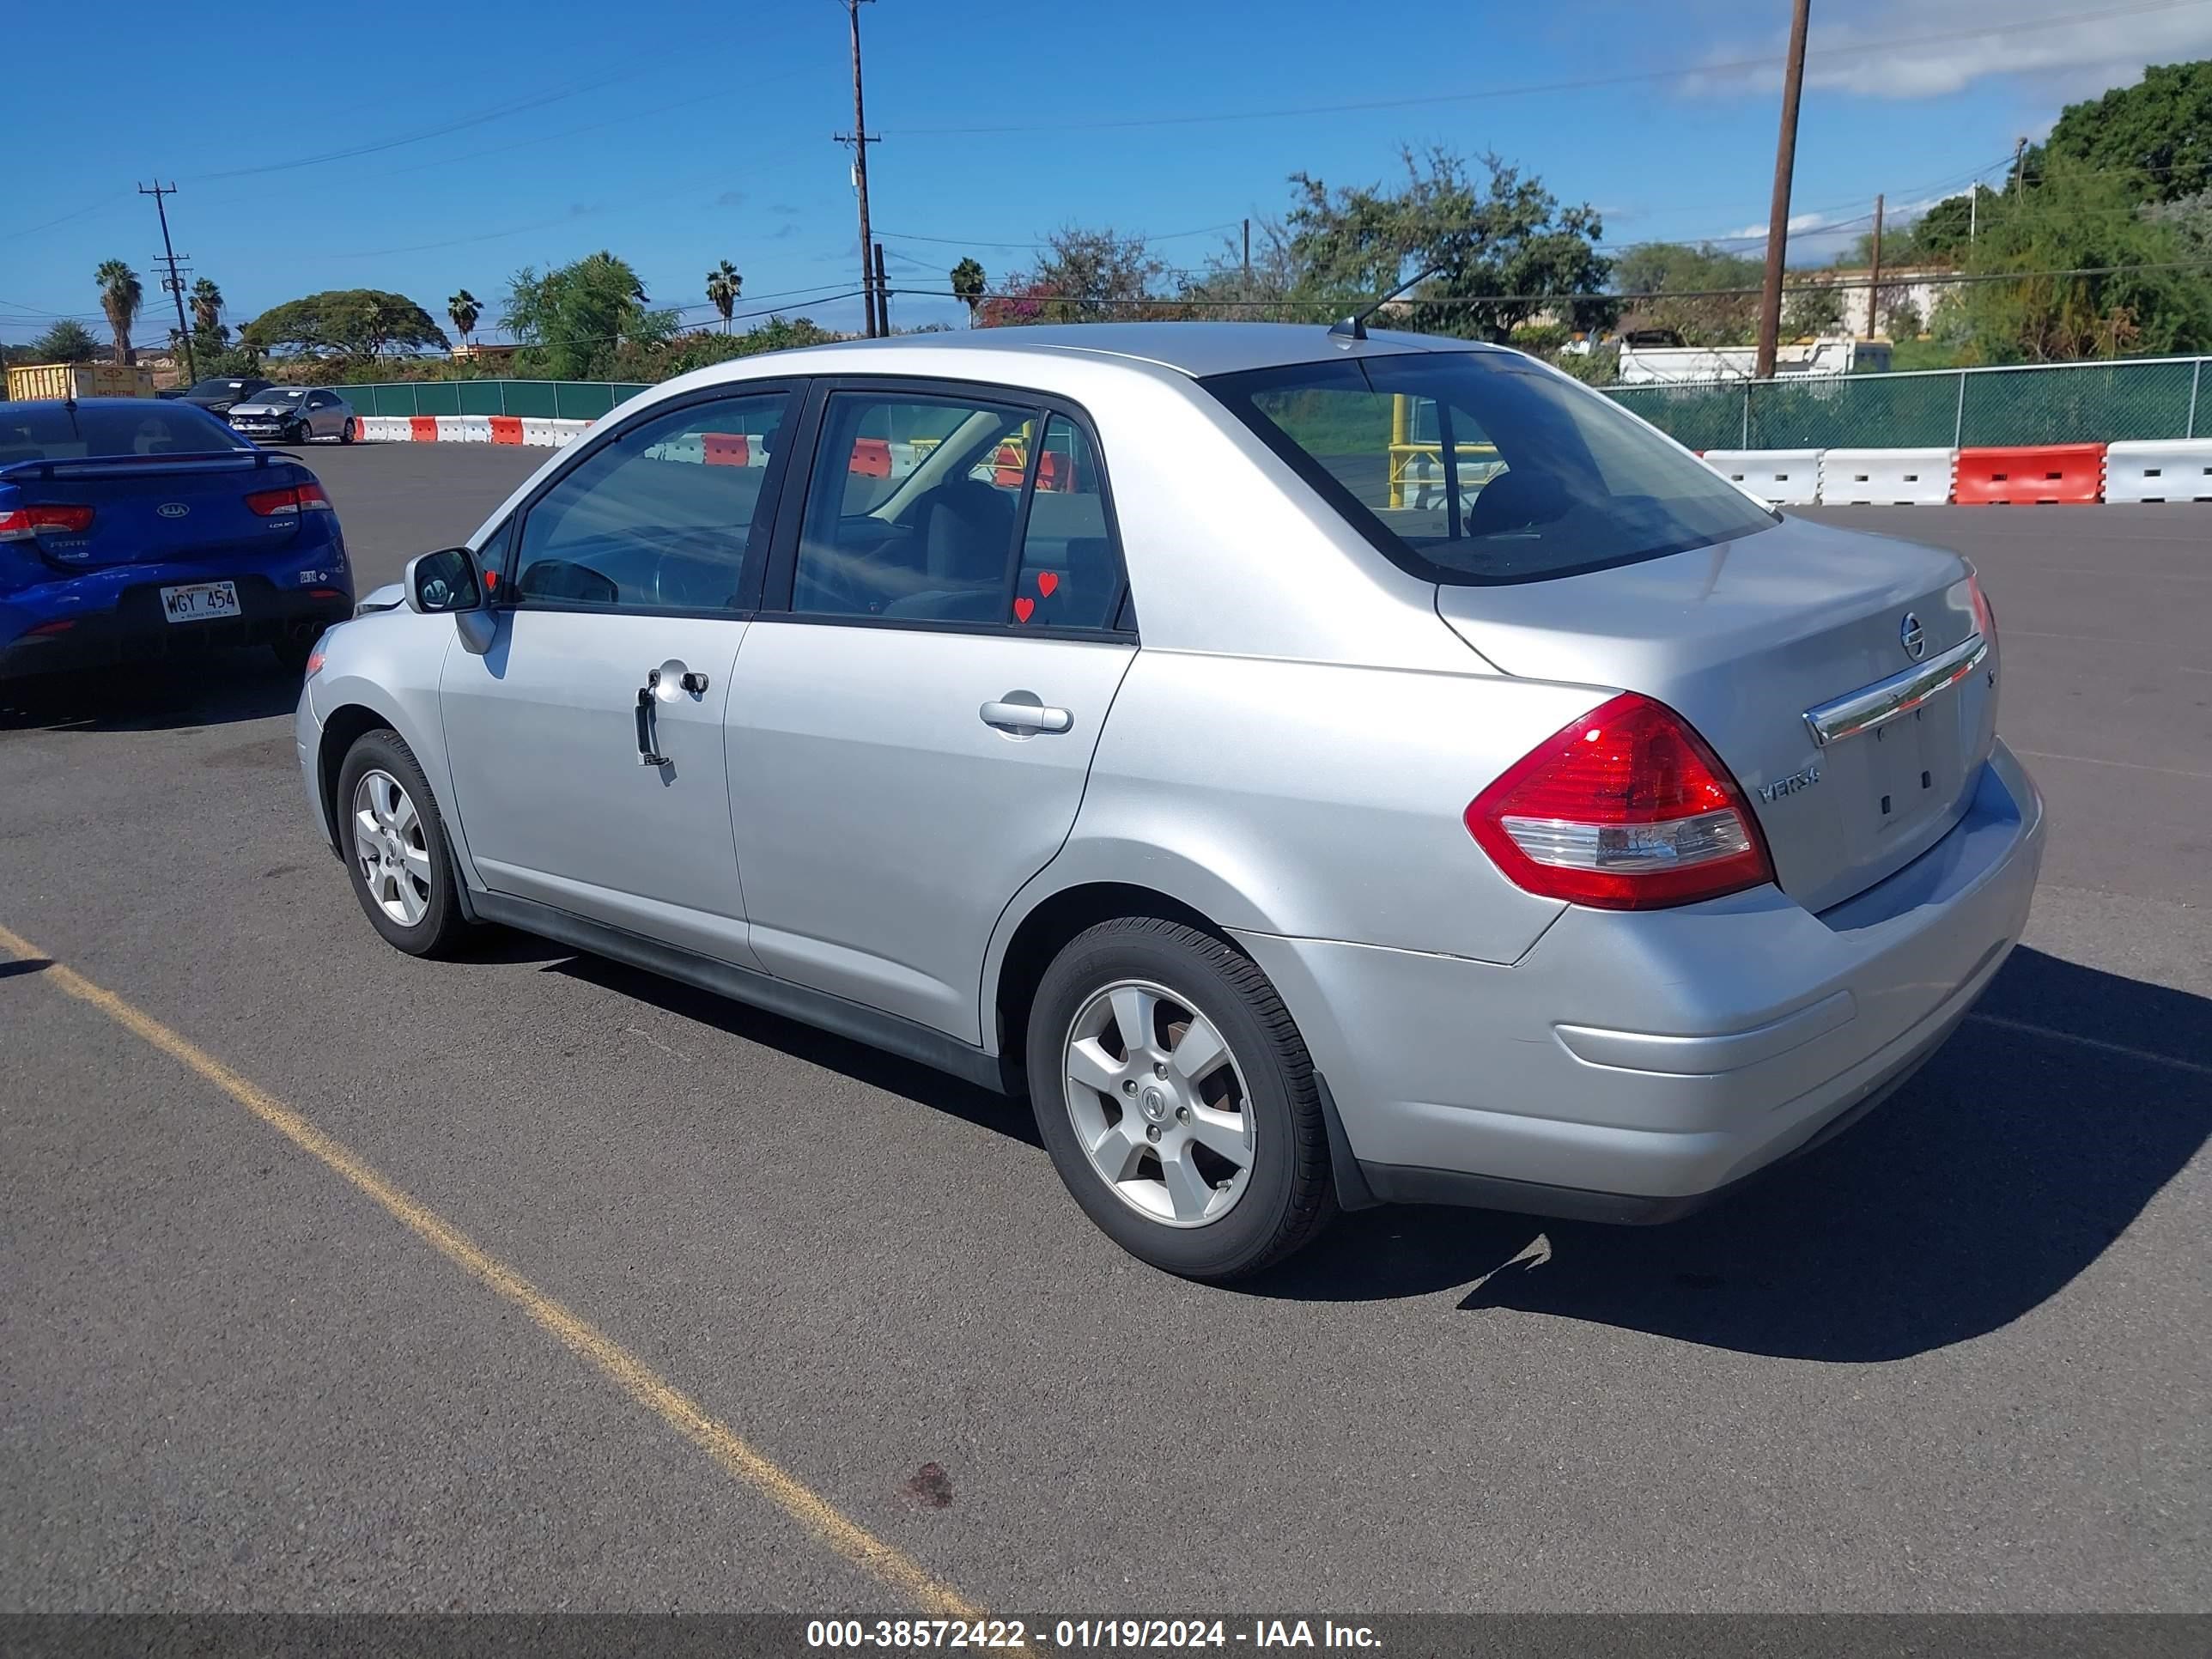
x=92, y=465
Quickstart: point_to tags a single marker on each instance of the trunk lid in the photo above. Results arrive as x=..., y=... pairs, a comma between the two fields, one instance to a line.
x=1742, y=639
x=149, y=508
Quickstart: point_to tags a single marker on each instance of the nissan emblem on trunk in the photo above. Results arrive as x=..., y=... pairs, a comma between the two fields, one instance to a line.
x=1916, y=642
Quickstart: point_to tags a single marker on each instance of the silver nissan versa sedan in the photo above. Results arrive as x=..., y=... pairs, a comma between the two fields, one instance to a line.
x=1316, y=770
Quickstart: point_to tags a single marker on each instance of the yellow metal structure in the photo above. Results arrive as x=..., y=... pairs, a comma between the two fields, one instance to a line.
x=1407, y=453
x=34, y=382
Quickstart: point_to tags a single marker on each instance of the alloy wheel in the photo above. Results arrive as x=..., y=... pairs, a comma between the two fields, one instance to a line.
x=1158, y=1103
x=390, y=849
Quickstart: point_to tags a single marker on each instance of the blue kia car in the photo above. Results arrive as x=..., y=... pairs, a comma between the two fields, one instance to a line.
x=132, y=528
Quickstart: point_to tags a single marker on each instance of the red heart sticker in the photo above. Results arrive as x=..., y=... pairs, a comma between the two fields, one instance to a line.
x=1047, y=580
x=1022, y=608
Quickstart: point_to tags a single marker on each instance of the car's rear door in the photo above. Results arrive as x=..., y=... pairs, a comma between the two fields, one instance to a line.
x=916, y=706
x=587, y=742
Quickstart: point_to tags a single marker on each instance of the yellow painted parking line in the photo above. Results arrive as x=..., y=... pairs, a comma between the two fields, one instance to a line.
x=821, y=1519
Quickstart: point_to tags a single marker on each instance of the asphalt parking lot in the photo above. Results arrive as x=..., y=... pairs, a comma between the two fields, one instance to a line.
x=1957, y=1361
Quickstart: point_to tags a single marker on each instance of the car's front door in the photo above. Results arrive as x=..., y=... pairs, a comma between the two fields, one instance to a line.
x=587, y=742
x=910, y=736
x=321, y=405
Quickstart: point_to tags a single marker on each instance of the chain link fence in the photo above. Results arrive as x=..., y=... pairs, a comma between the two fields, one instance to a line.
x=2070, y=402
x=1938, y=408
x=554, y=400
x=1952, y=408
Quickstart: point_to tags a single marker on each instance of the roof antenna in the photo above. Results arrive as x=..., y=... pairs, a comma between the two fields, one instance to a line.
x=1354, y=327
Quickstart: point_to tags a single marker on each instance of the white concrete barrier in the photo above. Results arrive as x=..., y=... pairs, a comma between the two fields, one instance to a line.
x=1885, y=477
x=449, y=428
x=2169, y=470
x=1780, y=477
x=564, y=432
x=384, y=429
x=474, y=429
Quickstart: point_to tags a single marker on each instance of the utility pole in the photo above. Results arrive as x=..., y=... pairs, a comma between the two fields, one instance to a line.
x=174, y=282
x=859, y=138
x=2019, y=163
x=1973, y=211
x=1778, y=218
x=1247, y=258
x=1873, y=277
x=883, y=296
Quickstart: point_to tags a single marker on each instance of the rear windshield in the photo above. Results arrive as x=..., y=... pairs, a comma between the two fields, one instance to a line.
x=279, y=394
x=64, y=432
x=1471, y=467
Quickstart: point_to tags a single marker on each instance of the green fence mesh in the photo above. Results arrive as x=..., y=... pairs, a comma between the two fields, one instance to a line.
x=2087, y=402
x=565, y=400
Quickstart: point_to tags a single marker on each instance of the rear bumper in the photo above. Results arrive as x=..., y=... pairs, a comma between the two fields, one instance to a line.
x=1633, y=1066
x=115, y=616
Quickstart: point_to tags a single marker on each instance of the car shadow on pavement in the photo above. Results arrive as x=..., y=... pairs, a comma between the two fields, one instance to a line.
x=922, y=1084
x=218, y=690
x=2029, y=1143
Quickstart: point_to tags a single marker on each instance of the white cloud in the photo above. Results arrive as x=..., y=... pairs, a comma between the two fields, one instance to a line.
x=1885, y=48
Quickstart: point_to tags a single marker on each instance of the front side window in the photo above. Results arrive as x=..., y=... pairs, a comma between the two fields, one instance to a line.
x=666, y=516
x=1469, y=467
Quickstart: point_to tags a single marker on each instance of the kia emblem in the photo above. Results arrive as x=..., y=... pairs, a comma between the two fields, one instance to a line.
x=173, y=509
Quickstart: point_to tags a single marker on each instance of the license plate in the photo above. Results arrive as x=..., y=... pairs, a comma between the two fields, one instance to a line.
x=200, y=602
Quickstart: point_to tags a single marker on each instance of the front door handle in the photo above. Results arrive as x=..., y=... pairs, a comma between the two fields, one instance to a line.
x=1024, y=715
x=648, y=694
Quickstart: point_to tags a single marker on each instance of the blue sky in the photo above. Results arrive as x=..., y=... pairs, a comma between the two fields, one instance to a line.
x=424, y=149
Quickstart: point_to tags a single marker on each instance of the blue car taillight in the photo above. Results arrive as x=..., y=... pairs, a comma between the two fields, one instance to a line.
x=24, y=524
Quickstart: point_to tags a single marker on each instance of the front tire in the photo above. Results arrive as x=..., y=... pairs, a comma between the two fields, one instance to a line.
x=396, y=850
x=1177, y=1099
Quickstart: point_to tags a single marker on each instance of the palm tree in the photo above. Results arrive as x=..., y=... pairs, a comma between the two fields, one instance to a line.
x=968, y=285
x=121, y=294
x=723, y=283
x=206, y=301
x=465, y=310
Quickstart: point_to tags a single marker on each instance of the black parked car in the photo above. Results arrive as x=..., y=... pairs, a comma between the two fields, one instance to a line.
x=217, y=395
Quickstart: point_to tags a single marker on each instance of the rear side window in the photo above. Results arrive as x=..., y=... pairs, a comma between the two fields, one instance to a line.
x=75, y=432
x=1470, y=467
x=932, y=507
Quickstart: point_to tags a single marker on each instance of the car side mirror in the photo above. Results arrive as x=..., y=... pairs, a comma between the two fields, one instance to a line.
x=441, y=583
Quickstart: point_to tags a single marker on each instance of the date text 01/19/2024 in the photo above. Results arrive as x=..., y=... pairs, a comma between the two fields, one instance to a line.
x=1167, y=1634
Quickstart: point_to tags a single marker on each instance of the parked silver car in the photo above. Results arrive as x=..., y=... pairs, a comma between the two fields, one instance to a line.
x=1315, y=770
x=294, y=415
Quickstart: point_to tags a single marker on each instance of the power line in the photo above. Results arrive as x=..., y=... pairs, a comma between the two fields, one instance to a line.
x=1587, y=83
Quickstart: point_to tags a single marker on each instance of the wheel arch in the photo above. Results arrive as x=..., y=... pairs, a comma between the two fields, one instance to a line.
x=1034, y=931
x=343, y=727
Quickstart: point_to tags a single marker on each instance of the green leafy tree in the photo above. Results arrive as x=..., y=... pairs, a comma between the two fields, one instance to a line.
x=723, y=286
x=356, y=325
x=1084, y=276
x=578, y=315
x=1502, y=246
x=463, y=309
x=969, y=281
x=1812, y=309
x=1707, y=295
x=2160, y=129
x=121, y=294
x=2146, y=298
x=67, y=341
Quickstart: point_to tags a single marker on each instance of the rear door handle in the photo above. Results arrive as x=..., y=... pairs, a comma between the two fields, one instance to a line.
x=1026, y=716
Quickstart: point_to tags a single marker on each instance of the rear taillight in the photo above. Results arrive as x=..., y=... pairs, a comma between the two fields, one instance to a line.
x=292, y=499
x=1627, y=809
x=22, y=523
x=1985, y=614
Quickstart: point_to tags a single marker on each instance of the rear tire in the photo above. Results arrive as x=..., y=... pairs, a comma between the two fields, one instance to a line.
x=395, y=846
x=1199, y=1144
x=346, y=433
